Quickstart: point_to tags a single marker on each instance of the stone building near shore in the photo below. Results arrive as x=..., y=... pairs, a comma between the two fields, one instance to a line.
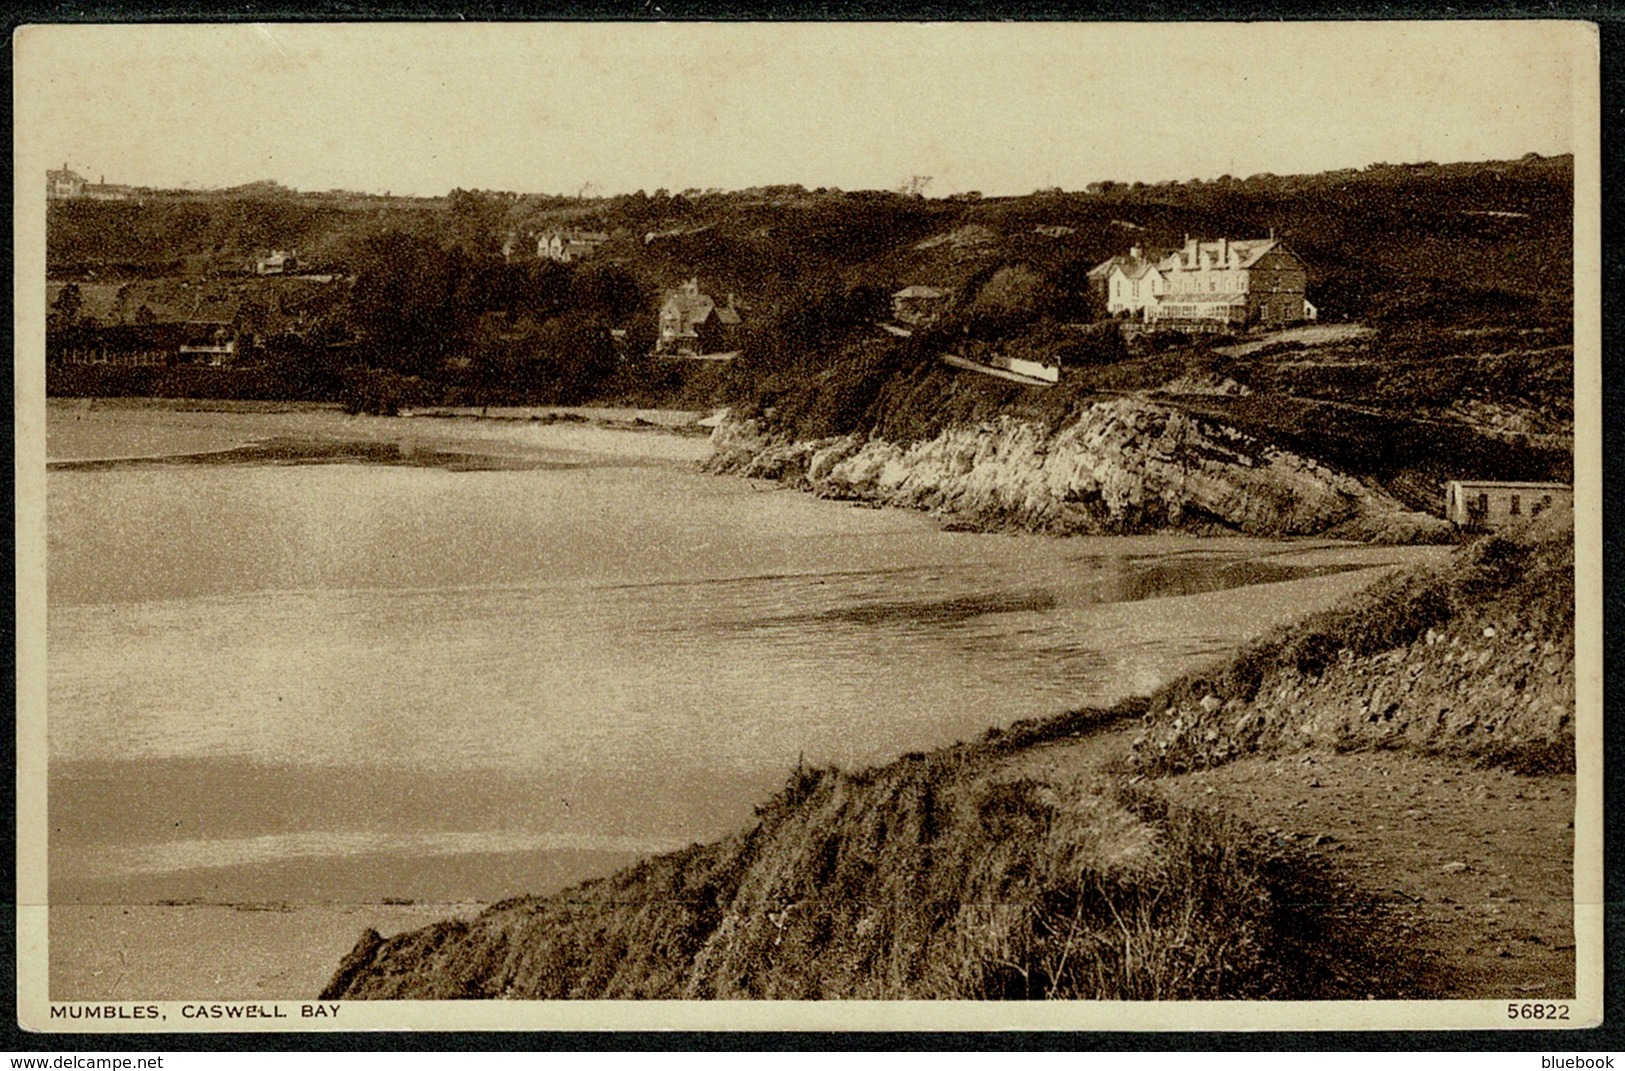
x=1488, y=504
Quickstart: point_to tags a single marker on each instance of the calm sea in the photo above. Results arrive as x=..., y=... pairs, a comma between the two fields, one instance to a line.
x=315, y=658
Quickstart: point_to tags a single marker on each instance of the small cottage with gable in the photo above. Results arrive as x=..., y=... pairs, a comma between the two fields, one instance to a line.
x=917, y=305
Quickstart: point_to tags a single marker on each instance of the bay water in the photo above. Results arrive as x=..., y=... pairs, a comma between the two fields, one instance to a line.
x=300, y=657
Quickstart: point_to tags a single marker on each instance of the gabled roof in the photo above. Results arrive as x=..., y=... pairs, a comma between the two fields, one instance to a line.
x=727, y=314
x=1250, y=252
x=1133, y=268
x=690, y=307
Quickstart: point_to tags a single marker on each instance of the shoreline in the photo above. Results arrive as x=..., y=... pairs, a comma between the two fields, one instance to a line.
x=83, y=432
x=292, y=921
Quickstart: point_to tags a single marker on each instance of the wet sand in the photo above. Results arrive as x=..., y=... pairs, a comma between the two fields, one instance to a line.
x=215, y=952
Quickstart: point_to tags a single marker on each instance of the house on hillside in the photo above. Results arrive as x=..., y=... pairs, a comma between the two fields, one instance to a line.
x=1129, y=285
x=154, y=323
x=692, y=324
x=1231, y=284
x=207, y=342
x=276, y=262
x=919, y=305
x=63, y=184
x=566, y=246
x=1485, y=504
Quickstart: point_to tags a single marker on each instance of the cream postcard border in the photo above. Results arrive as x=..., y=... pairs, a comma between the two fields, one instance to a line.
x=28, y=285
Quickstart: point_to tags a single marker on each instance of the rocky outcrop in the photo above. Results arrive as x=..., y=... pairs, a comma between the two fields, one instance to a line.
x=1125, y=465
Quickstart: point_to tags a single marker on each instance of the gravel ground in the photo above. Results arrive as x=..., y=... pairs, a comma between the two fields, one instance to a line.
x=1472, y=865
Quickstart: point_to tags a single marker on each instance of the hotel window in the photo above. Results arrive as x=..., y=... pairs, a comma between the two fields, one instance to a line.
x=1515, y=509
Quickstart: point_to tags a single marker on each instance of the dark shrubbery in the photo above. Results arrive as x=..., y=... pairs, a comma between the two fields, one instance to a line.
x=1100, y=343
x=378, y=392
x=1452, y=303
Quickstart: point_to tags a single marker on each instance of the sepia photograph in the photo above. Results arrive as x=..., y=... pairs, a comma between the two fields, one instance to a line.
x=808, y=526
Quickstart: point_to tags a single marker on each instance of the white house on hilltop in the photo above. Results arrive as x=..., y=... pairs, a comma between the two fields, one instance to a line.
x=1254, y=282
x=1129, y=284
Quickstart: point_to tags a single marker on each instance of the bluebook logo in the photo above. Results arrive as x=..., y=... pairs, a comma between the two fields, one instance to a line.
x=1578, y=1063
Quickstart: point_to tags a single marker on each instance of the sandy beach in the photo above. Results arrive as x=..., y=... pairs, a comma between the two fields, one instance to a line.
x=214, y=952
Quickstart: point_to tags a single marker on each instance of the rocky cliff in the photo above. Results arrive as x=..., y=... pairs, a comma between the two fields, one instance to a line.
x=1129, y=464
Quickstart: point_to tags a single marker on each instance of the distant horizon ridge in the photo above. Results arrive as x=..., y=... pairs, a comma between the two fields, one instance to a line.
x=902, y=189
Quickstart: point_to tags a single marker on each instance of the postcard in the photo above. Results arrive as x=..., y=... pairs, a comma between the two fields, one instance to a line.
x=808, y=526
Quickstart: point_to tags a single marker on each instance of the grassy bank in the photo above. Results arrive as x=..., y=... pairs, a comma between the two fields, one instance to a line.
x=1475, y=662
x=931, y=878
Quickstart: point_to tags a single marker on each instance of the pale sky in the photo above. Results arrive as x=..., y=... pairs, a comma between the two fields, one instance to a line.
x=1001, y=108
